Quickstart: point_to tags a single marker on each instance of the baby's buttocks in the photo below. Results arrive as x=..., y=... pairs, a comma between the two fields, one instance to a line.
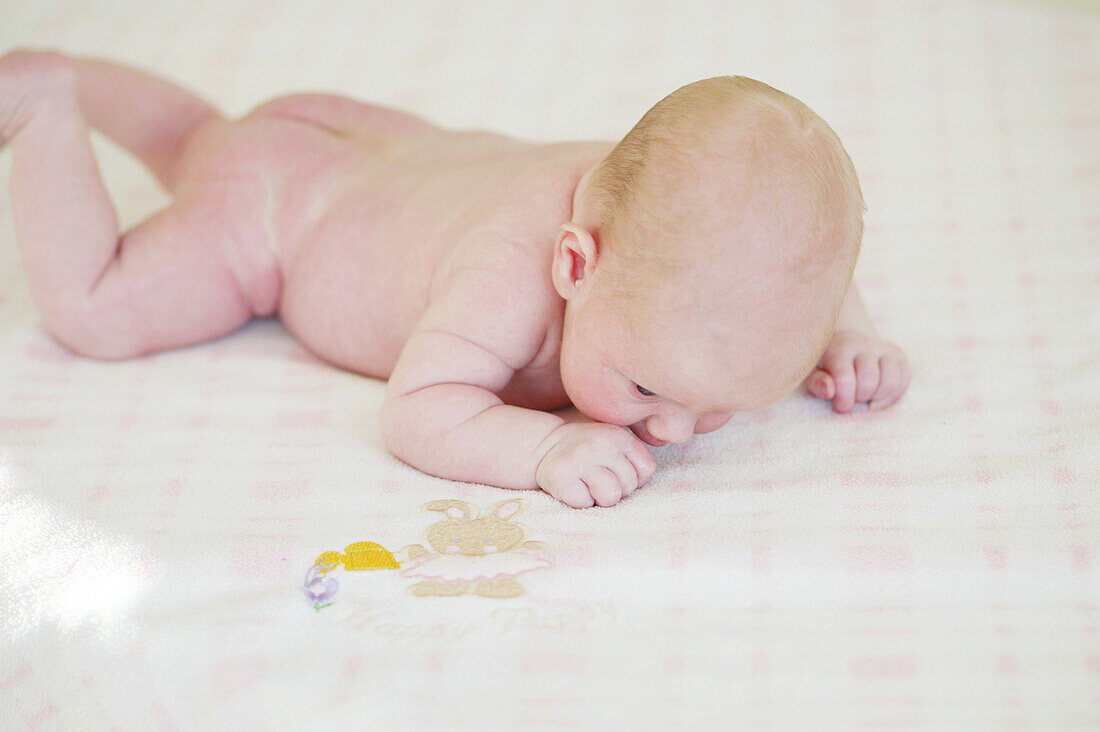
x=303, y=208
x=255, y=183
x=261, y=176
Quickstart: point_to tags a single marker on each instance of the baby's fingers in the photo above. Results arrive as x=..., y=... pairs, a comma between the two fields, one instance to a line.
x=868, y=376
x=894, y=381
x=603, y=486
x=574, y=494
x=821, y=384
x=844, y=376
x=643, y=464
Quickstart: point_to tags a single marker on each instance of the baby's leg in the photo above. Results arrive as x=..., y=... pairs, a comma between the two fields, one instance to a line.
x=163, y=284
x=150, y=117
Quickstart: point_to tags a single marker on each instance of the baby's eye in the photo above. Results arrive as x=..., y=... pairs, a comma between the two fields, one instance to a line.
x=643, y=391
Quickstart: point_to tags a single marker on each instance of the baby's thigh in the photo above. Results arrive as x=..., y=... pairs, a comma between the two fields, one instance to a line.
x=227, y=223
x=171, y=284
x=225, y=199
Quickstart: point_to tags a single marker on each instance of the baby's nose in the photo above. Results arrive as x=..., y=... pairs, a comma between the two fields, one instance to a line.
x=671, y=429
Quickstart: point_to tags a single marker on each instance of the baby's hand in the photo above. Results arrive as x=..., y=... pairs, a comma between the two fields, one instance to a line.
x=859, y=368
x=592, y=463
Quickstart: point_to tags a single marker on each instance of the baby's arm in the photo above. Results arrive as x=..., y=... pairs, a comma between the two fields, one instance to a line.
x=858, y=366
x=442, y=414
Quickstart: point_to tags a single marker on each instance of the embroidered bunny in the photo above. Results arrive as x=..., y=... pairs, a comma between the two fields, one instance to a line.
x=471, y=553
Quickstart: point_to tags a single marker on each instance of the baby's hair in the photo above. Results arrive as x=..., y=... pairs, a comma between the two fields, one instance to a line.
x=757, y=145
x=693, y=112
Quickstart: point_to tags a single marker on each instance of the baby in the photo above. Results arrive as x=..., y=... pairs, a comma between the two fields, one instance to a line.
x=698, y=268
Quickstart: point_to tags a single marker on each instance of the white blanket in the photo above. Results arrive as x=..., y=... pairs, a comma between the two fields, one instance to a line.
x=932, y=566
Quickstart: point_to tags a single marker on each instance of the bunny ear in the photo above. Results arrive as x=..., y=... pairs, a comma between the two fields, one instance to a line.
x=505, y=509
x=454, y=510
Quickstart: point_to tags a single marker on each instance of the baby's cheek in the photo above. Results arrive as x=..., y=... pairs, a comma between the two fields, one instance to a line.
x=601, y=411
x=590, y=398
x=597, y=406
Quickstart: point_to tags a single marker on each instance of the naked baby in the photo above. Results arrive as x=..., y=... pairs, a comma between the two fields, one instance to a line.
x=698, y=268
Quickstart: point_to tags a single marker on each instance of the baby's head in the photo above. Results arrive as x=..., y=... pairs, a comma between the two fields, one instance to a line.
x=706, y=261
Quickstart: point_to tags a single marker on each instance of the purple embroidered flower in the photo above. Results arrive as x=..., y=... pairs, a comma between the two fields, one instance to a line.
x=319, y=589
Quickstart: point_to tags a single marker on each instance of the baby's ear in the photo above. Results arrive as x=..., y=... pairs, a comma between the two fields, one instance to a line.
x=574, y=258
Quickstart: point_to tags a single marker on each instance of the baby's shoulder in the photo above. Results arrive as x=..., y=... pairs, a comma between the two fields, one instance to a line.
x=490, y=271
x=497, y=290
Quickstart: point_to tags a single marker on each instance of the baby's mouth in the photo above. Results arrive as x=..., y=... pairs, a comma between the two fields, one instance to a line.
x=644, y=436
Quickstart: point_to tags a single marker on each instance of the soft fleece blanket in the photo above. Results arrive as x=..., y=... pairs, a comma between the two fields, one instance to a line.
x=215, y=538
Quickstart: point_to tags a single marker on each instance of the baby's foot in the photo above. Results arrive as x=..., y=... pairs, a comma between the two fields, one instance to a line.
x=26, y=78
x=858, y=367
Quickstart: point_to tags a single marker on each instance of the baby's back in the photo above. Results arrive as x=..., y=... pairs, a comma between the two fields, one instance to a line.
x=366, y=210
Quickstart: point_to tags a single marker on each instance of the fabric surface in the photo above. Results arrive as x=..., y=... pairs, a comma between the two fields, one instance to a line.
x=932, y=566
